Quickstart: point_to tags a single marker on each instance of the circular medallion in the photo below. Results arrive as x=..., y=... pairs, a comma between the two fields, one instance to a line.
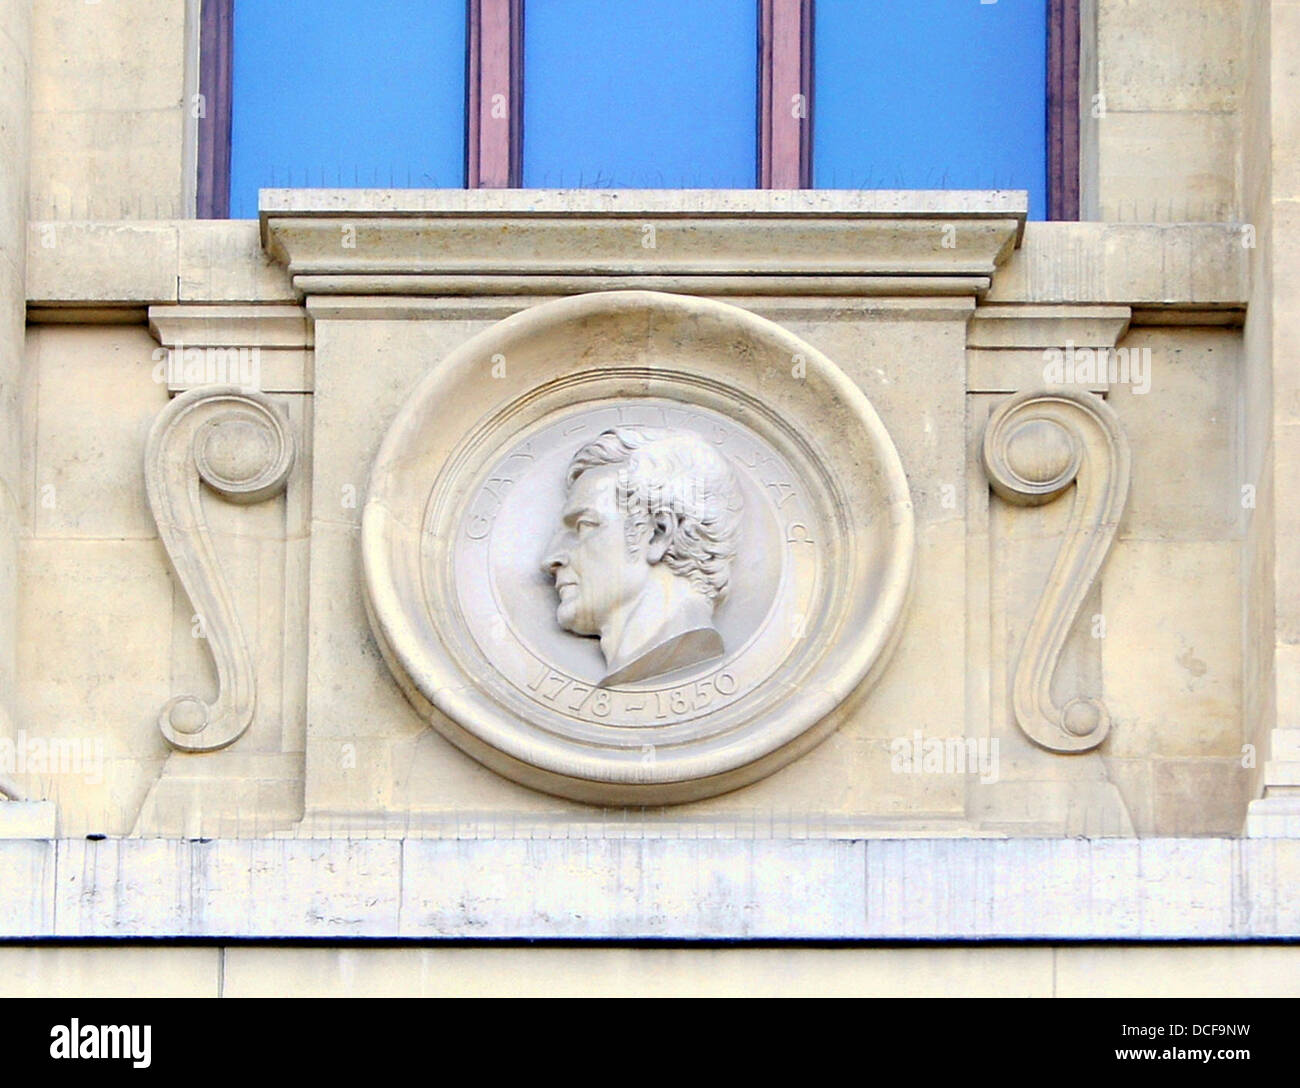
x=634, y=548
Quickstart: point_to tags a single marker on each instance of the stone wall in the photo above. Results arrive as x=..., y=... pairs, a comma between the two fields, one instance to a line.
x=1168, y=103
x=1170, y=665
x=1189, y=635
x=110, y=114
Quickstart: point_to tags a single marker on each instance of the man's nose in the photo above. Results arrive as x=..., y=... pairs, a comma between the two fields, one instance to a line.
x=556, y=556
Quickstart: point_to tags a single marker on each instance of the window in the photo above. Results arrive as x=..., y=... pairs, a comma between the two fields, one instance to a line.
x=323, y=98
x=648, y=96
x=640, y=94
x=940, y=95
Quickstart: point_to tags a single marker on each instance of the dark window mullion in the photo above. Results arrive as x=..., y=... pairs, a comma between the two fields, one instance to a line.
x=1063, y=109
x=216, y=38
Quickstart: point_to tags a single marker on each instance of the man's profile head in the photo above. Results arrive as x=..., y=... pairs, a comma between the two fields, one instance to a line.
x=649, y=533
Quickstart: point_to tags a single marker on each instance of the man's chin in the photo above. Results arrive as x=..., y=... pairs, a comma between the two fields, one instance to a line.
x=567, y=617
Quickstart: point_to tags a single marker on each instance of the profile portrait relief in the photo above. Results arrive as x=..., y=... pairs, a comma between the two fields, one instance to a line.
x=644, y=551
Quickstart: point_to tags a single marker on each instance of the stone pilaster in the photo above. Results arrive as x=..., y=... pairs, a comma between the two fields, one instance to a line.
x=15, y=54
x=1273, y=202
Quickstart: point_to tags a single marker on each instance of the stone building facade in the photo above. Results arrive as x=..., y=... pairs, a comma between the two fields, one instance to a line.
x=1157, y=587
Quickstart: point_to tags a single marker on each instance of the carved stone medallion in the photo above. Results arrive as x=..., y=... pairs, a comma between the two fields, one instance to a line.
x=634, y=548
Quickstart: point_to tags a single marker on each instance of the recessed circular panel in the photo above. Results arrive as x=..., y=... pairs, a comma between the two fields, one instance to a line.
x=633, y=548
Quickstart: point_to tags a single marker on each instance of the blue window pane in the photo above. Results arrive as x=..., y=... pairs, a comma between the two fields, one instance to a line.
x=931, y=94
x=640, y=94
x=324, y=95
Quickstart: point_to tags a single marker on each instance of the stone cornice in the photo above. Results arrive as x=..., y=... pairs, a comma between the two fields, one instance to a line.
x=1169, y=274
x=546, y=242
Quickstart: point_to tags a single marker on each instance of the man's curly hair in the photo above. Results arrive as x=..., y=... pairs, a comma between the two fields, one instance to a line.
x=674, y=472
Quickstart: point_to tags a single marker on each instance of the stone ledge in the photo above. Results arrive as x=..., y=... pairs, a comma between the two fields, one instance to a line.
x=864, y=203
x=83, y=264
x=1167, y=271
x=438, y=242
x=878, y=889
x=1170, y=274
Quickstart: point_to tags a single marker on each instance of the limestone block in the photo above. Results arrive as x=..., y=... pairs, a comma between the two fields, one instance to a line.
x=1197, y=67
x=344, y=444
x=1274, y=817
x=108, y=164
x=1171, y=657
x=10, y=529
x=1009, y=327
x=1285, y=316
x=15, y=63
x=28, y=819
x=128, y=55
x=12, y=352
x=1259, y=629
x=1174, y=267
x=1287, y=662
x=230, y=793
x=1185, y=433
x=1200, y=796
x=1284, y=101
x=1133, y=778
x=365, y=876
x=223, y=261
x=14, y=108
x=705, y=896
x=1222, y=971
x=111, y=263
x=1284, y=403
x=27, y=891
x=1168, y=167
x=93, y=669
x=1153, y=889
x=644, y=972
x=41, y=971
x=914, y=374
x=1286, y=569
x=108, y=116
x=260, y=347
x=95, y=401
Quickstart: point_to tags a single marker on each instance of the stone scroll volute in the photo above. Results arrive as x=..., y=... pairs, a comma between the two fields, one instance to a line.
x=236, y=443
x=1036, y=445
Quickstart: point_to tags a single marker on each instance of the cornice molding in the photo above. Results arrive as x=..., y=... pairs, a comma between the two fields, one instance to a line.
x=460, y=242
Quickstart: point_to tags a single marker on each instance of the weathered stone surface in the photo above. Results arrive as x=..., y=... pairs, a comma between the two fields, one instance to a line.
x=1190, y=633
x=719, y=888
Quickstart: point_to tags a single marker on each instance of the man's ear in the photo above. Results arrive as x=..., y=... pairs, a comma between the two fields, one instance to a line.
x=664, y=526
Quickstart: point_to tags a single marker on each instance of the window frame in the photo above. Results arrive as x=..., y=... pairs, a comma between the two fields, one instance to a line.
x=495, y=66
x=216, y=56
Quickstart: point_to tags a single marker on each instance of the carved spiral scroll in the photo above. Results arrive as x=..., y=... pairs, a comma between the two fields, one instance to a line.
x=1036, y=445
x=237, y=443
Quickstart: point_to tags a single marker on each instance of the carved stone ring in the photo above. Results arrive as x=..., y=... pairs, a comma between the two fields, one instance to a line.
x=636, y=548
